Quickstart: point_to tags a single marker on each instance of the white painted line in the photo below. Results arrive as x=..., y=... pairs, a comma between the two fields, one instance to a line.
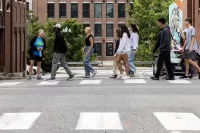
x=48, y=83
x=9, y=83
x=90, y=82
x=175, y=132
x=135, y=81
x=17, y=121
x=178, y=121
x=181, y=81
x=99, y=121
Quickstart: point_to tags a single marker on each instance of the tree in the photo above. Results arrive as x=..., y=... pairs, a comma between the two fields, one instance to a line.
x=145, y=14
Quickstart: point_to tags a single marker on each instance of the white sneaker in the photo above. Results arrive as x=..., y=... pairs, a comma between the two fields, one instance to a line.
x=126, y=77
x=120, y=76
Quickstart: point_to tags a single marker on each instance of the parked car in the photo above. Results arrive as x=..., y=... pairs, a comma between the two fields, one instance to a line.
x=176, y=57
x=34, y=70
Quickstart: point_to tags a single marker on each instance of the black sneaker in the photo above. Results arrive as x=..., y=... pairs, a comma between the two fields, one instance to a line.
x=154, y=78
x=71, y=77
x=52, y=78
x=113, y=76
x=199, y=75
x=184, y=77
x=168, y=78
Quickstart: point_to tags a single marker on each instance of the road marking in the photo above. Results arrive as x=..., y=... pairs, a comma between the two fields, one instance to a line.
x=135, y=81
x=180, y=81
x=99, y=121
x=17, y=121
x=178, y=121
x=90, y=82
x=9, y=83
x=48, y=83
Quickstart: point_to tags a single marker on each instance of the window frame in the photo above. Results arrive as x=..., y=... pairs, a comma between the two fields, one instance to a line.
x=109, y=30
x=95, y=30
x=107, y=10
x=119, y=11
x=110, y=50
x=74, y=10
x=95, y=10
x=100, y=46
x=52, y=10
x=62, y=11
x=86, y=10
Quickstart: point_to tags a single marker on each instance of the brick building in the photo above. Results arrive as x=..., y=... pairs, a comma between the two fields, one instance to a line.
x=191, y=9
x=12, y=36
x=103, y=16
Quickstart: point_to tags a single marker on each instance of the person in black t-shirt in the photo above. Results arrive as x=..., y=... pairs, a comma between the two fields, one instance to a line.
x=115, y=68
x=88, y=51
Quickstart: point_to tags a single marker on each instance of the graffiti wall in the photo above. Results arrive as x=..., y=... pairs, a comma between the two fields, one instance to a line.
x=176, y=22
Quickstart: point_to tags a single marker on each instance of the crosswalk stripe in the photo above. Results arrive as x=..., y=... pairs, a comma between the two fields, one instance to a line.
x=178, y=121
x=18, y=121
x=9, y=83
x=135, y=81
x=99, y=121
x=48, y=83
x=180, y=81
x=90, y=82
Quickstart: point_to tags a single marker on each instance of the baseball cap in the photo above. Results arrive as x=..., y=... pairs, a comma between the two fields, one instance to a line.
x=57, y=26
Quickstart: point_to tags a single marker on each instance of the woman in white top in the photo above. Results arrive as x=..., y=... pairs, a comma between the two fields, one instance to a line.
x=134, y=47
x=123, y=50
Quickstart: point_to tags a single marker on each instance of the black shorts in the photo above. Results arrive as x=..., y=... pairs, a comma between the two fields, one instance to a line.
x=35, y=58
x=189, y=55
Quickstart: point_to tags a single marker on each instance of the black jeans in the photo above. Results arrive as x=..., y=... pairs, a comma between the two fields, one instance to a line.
x=164, y=56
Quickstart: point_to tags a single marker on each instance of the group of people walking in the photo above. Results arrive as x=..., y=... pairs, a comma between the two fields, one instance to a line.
x=125, y=52
x=126, y=49
x=188, y=50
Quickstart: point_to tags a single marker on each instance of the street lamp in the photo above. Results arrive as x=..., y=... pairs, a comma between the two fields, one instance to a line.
x=66, y=30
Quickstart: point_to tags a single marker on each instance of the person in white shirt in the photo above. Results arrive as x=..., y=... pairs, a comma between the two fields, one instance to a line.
x=122, y=52
x=134, y=48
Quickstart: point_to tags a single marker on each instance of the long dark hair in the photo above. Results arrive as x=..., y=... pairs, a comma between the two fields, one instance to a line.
x=135, y=28
x=118, y=31
x=124, y=29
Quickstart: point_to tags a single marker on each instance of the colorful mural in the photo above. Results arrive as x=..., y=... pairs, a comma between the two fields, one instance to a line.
x=176, y=22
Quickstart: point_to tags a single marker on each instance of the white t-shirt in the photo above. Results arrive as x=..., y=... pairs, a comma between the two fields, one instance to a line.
x=125, y=44
x=134, y=40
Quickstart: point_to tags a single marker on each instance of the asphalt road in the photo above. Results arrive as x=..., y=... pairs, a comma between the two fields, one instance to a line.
x=100, y=105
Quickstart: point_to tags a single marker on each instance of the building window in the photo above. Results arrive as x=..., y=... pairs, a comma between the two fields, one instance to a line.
x=97, y=30
x=109, y=10
x=62, y=10
x=86, y=10
x=120, y=25
x=98, y=10
x=74, y=10
x=50, y=10
x=121, y=10
x=99, y=45
x=86, y=25
x=27, y=5
x=109, y=49
x=109, y=30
